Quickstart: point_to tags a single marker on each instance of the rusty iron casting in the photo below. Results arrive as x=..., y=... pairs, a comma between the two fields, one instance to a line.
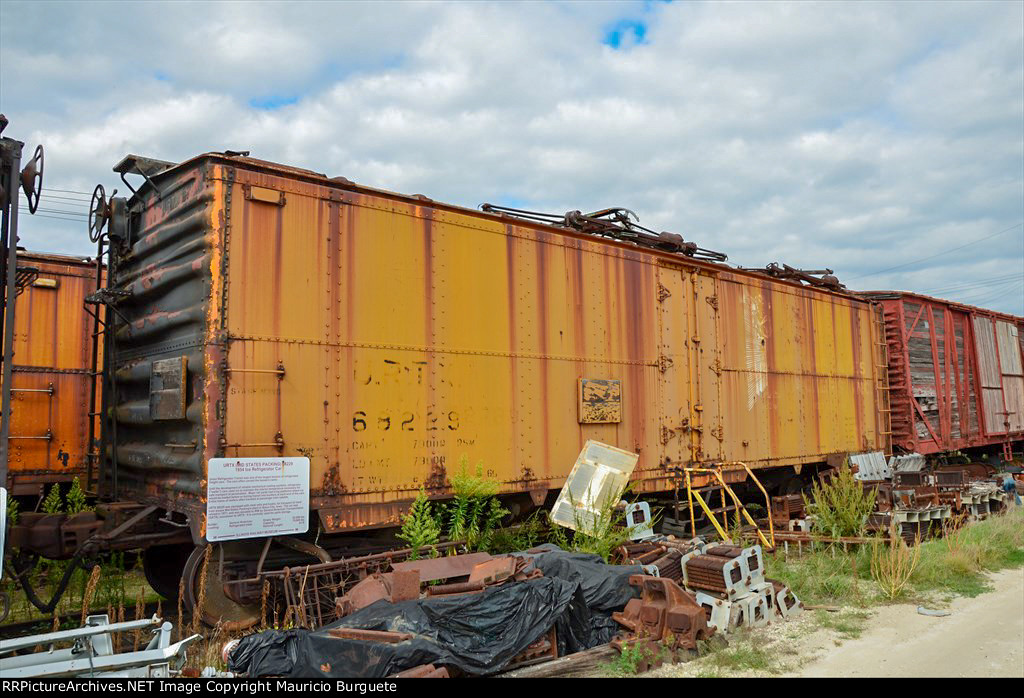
x=446, y=567
x=664, y=613
x=366, y=593
x=311, y=592
x=787, y=507
x=722, y=575
x=544, y=649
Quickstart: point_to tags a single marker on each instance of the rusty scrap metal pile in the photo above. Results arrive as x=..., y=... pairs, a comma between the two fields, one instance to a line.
x=694, y=589
x=912, y=498
x=917, y=500
x=459, y=615
x=476, y=614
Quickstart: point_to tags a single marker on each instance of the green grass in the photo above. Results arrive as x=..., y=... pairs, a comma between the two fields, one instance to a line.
x=744, y=655
x=830, y=575
x=118, y=589
x=848, y=623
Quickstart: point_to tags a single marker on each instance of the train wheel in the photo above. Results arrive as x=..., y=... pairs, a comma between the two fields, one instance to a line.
x=163, y=566
x=208, y=593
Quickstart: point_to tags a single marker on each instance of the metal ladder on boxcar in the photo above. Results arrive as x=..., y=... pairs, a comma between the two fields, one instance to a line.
x=888, y=340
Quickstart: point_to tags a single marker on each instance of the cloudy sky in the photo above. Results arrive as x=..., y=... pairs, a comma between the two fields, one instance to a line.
x=883, y=140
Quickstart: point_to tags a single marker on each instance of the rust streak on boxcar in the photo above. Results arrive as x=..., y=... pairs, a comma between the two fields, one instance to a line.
x=513, y=339
x=772, y=366
x=542, y=250
x=807, y=302
x=858, y=395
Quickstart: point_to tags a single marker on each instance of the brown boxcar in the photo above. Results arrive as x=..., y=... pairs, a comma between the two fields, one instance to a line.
x=50, y=382
x=955, y=374
x=265, y=310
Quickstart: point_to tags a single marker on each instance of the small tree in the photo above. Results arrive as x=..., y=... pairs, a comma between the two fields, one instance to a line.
x=842, y=506
x=419, y=528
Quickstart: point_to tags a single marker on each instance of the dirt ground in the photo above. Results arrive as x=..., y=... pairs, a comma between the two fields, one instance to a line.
x=982, y=637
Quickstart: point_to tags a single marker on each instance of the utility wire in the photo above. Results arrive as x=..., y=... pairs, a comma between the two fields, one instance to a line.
x=75, y=214
x=70, y=191
x=939, y=254
x=1002, y=293
x=58, y=218
x=995, y=280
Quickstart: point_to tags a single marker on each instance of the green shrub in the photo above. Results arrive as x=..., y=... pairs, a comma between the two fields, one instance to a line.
x=53, y=504
x=474, y=512
x=419, y=528
x=12, y=510
x=600, y=536
x=840, y=507
x=76, y=498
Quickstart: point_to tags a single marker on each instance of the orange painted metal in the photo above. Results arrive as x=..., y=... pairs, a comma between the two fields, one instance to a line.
x=390, y=338
x=50, y=378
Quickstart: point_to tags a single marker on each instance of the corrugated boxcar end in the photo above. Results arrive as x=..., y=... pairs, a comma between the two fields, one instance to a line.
x=50, y=375
x=159, y=413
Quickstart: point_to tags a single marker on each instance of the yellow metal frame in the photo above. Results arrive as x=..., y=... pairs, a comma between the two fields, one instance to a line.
x=716, y=472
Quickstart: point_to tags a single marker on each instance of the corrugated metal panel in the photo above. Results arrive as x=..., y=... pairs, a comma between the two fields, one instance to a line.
x=166, y=274
x=870, y=466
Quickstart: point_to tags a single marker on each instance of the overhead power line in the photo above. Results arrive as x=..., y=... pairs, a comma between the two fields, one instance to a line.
x=938, y=254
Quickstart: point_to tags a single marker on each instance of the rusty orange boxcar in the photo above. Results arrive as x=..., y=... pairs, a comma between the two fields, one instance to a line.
x=51, y=381
x=264, y=310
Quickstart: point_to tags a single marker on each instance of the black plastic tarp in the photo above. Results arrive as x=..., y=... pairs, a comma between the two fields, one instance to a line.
x=477, y=633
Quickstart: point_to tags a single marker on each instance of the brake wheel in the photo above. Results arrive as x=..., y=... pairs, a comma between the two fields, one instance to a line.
x=32, y=179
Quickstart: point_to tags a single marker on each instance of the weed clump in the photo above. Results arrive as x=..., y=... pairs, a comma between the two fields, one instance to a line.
x=600, y=533
x=892, y=565
x=841, y=506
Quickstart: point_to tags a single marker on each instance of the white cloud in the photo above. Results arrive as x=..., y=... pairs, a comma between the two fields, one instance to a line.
x=851, y=135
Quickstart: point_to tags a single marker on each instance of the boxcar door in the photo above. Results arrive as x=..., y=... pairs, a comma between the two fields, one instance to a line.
x=705, y=366
x=674, y=399
x=690, y=365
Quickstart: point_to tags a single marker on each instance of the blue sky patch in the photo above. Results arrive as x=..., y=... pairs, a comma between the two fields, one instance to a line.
x=272, y=102
x=628, y=31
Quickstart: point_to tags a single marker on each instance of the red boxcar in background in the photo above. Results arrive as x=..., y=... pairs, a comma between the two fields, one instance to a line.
x=955, y=374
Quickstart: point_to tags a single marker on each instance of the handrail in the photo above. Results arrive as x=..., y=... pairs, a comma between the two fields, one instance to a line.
x=716, y=473
x=742, y=509
x=767, y=501
x=707, y=511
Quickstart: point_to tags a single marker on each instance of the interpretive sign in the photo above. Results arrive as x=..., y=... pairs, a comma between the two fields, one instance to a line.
x=256, y=497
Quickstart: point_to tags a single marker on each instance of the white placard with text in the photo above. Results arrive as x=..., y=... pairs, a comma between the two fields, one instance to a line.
x=256, y=497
